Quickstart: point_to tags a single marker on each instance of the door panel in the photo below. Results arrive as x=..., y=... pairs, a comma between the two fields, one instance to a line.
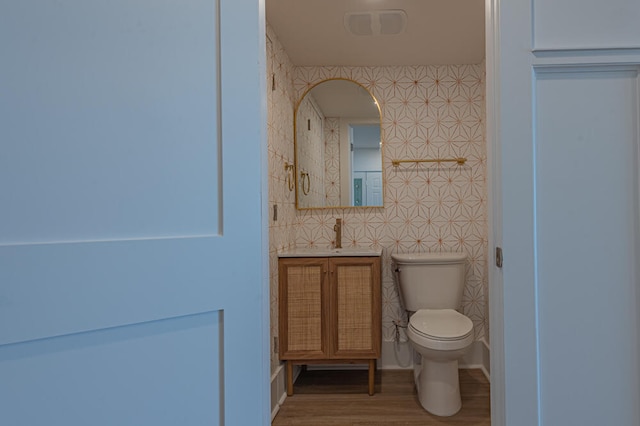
x=355, y=307
x=113, y=90
x=133, y=279
x=118, y=375
x=586, y=24
x=587, y=265
x=303, y=308
x=374, y=188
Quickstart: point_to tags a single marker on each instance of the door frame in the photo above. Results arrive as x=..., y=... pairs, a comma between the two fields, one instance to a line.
x=522, y=381
x=494, y=219
x=512, y=58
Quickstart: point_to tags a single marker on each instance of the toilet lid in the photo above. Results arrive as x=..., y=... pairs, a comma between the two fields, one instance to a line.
x=441, y=324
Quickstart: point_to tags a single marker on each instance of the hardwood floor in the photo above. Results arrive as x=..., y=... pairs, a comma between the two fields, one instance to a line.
x=339, y=398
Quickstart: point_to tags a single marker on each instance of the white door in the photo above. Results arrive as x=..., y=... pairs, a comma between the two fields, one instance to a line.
x=374, y=188
x=132, y=273
x=564, y=96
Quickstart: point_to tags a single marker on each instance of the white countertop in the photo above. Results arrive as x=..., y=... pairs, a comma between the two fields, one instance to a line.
x=331, y=252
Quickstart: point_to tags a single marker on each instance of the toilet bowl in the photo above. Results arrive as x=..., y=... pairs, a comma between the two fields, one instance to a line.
x=431, y=287
x=441, y=337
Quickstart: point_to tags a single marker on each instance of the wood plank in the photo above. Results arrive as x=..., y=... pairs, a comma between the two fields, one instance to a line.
x=335, y=398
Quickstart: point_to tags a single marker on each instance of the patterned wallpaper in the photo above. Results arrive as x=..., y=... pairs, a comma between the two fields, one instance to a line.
x=332, y=161
x=280, y=103
x=311, y=152
x=428, y=112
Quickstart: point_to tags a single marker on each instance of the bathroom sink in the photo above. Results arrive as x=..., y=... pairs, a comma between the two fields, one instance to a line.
x=331, y=252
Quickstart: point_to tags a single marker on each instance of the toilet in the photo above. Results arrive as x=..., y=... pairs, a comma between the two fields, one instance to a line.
x=430, y=287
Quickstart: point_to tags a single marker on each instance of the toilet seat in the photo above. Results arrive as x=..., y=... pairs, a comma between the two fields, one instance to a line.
x=443, y=329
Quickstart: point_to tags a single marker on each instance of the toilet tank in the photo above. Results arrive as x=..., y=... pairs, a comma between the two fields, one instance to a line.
x=430, y=280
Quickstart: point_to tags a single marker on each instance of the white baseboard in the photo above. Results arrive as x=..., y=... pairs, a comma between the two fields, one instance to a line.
x=396, y=356
x=400, y=356
x=486, y=359
x=278, y=392
x=478, y=356
x=279, y=387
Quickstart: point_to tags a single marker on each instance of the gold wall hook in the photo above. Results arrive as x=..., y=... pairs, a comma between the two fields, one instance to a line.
x=290, y=175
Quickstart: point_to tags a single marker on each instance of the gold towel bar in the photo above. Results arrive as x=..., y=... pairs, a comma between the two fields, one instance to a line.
x=459, y=160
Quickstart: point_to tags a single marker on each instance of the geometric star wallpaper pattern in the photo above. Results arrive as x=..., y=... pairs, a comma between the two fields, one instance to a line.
x=332, y=161
x=427, y=112
x=311, y=160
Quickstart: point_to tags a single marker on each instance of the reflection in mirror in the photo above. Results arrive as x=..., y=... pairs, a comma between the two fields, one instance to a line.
x=338, y=147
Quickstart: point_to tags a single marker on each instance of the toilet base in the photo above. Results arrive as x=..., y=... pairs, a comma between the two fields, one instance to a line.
x=438, y=386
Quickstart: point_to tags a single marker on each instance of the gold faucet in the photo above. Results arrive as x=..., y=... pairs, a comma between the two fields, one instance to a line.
x=338, y=228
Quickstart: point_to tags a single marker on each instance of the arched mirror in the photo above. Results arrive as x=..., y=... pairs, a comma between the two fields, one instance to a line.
x=338, y=147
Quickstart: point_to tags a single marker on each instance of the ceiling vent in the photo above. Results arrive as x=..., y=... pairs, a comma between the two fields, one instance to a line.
x=359, y=23
x=377, y=22
x=392, y=21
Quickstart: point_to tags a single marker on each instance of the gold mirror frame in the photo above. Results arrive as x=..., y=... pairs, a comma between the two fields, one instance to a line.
x=303, y=174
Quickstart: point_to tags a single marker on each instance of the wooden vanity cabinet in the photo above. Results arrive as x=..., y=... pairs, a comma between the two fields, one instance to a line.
x=330, y=312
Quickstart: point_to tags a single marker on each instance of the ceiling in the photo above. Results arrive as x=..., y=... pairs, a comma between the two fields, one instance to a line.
x=437, y=32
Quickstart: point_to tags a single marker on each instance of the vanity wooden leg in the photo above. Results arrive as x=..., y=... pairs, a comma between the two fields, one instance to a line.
x=372, y=376
x=289, y=378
